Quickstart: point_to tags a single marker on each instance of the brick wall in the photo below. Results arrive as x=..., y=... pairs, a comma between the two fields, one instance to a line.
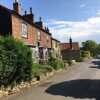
x=17, y=29
x=45, y=39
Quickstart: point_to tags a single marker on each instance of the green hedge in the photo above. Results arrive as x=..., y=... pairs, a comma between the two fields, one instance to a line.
x=56, y=63
x=85, y=54
x=15, y=61
x=39, y=69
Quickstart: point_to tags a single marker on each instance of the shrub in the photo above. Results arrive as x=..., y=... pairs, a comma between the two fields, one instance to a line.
x=39, y=69
x=56, y=63
x=81, y=59
x=61, y=63
x=69, y=62
x=15, y=61
x=85, y=54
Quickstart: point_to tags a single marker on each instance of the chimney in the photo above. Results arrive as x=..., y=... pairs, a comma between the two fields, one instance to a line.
x=16, y=7
x=45, y=28
x=40, y=23
x=48, y=30
x=71, y=45
x=29, y=16
x=31, y=11
x=25, y=12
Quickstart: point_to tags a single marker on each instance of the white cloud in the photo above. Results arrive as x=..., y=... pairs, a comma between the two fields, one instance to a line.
x=78, y=29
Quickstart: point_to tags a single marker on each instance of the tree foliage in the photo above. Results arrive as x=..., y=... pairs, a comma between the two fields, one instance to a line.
x=90, y=45
x=85, y=54
x=56, y=63
x=98, y=49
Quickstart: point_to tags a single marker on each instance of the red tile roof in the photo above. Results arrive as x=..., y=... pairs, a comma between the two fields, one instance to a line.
x=67, y=46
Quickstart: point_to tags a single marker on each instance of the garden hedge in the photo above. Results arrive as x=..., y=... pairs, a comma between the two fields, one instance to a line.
x=15, y=61
x=56, y=63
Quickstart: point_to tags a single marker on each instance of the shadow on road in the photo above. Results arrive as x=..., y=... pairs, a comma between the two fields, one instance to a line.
x=82, y=89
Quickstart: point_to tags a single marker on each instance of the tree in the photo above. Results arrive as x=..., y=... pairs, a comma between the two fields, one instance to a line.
x=91, y=46
x=98, y=49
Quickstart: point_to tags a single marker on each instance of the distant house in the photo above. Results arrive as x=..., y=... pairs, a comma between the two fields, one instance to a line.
x=70, y=50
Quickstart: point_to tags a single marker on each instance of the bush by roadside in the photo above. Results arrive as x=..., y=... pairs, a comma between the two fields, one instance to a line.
x=56, y=63
x=69, y=62
x=81, y=59
x=85, y=54
x=15, y=62
x=38, y=69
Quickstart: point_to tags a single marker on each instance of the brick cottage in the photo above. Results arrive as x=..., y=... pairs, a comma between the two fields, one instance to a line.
x=34, y=35
x=24, y=28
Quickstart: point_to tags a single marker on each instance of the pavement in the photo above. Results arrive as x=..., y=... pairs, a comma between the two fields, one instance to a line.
x=80, y=82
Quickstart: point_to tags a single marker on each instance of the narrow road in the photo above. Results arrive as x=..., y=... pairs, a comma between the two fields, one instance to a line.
x=81, y=82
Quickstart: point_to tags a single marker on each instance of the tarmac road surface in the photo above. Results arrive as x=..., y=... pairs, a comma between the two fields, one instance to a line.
x=80, y=82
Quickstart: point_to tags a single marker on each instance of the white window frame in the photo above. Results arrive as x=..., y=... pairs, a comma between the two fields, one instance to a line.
x=24, y=30
x=38, y=35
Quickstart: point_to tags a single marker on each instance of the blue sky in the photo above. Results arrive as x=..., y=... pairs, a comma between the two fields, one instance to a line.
x=77, y=18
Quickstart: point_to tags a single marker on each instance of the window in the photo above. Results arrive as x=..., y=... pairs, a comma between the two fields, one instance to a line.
x=47, y=38
x=24, y=32
x=39, y=36
x=56, y=44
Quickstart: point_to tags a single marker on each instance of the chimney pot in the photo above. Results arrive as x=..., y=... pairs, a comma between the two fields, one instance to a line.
x=45, y=28
x=70, y=40
x=31, y=10
x=40, y=19
x=16, y=6
x=29, y=16
x=25, y=12
x=16, y=0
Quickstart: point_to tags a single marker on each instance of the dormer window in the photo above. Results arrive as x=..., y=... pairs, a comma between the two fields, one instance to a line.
x=24, y=32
